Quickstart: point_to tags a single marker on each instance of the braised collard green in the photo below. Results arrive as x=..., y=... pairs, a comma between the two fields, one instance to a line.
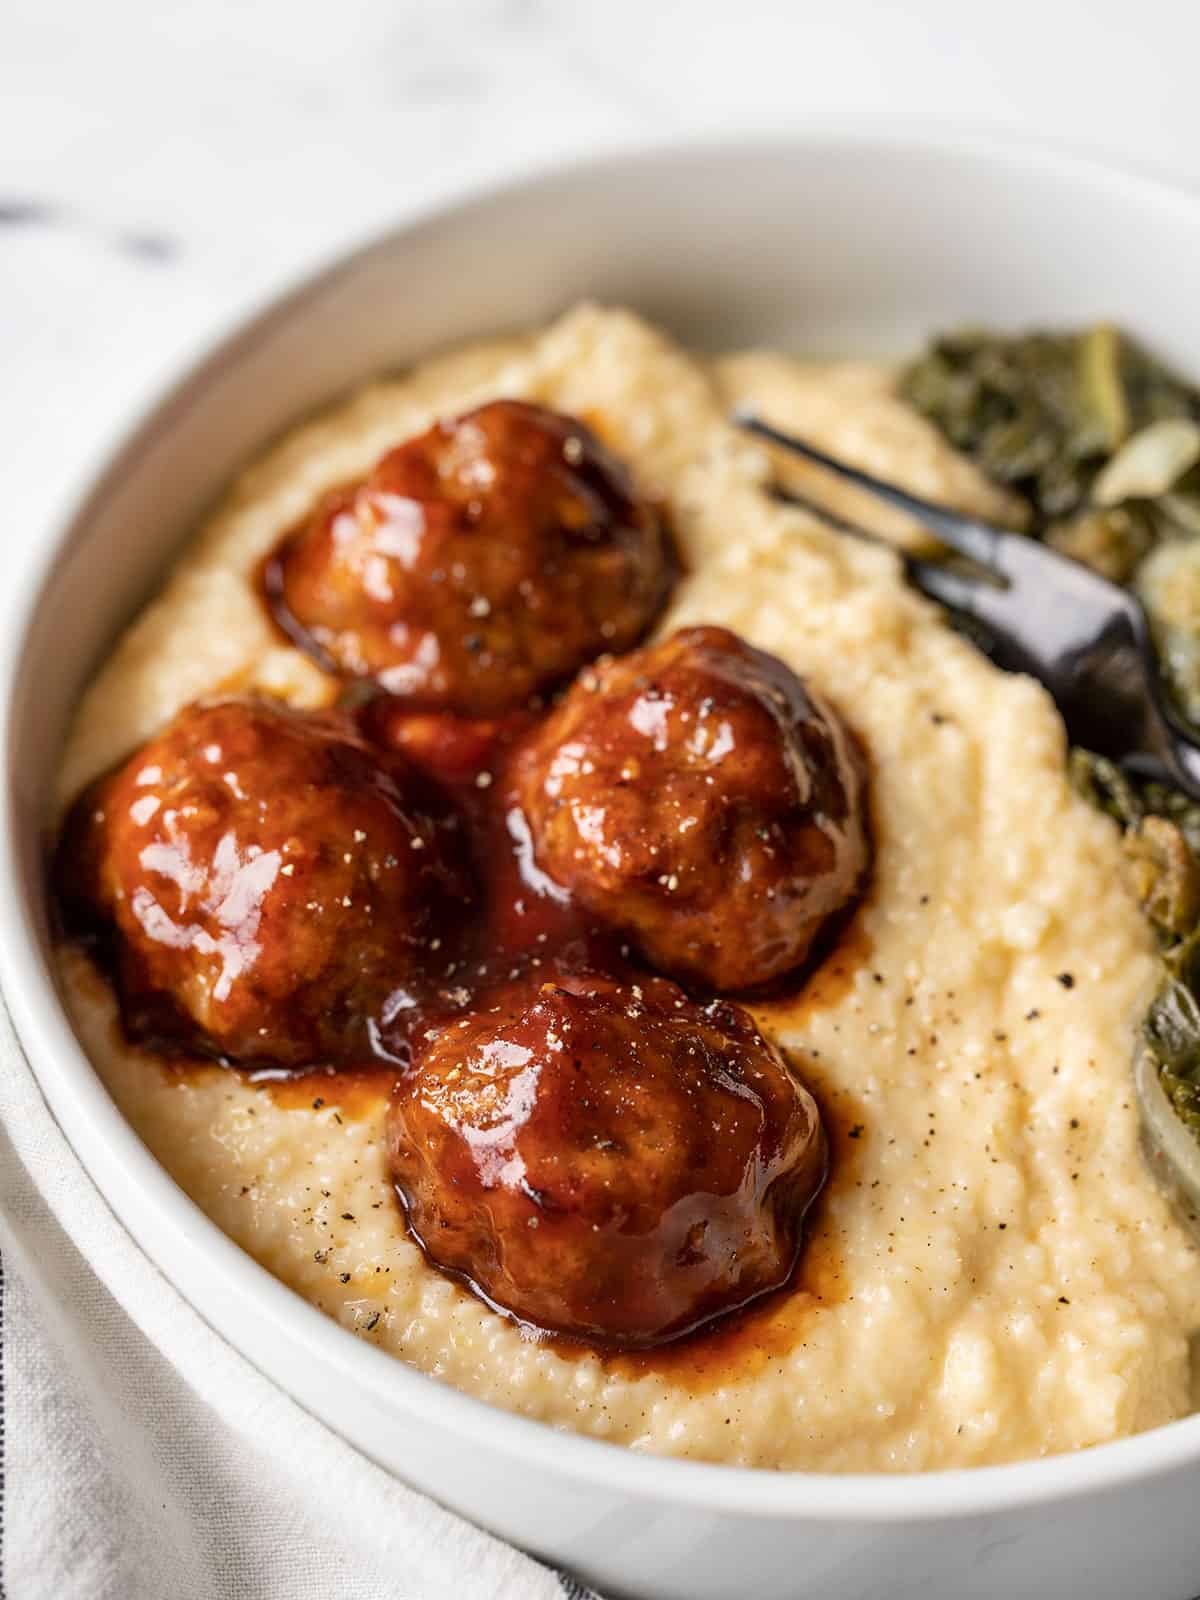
x=1161, y=838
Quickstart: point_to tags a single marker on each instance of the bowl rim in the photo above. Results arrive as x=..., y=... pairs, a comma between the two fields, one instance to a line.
x=45, y=1034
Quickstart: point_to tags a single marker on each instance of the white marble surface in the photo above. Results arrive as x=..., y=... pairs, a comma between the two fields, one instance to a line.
x=164, y=161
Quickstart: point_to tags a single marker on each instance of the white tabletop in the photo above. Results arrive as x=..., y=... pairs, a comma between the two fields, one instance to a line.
x=164, y=161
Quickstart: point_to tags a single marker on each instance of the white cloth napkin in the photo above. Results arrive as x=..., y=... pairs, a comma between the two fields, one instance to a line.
x=144, y=1459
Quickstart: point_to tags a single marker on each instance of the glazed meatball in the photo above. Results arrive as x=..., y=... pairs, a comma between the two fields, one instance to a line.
x=479, y=563
x=269, y=892
x=609, y=1161
x=697, y=796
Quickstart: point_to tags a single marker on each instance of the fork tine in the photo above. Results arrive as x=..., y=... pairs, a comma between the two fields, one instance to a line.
x=961, y=533
x=959, y=590
x=831, y=519
x=954, y=589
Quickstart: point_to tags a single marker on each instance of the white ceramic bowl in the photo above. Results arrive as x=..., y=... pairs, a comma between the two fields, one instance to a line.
x=829, y=243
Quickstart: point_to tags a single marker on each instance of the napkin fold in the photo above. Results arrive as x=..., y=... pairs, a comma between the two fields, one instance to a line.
x=143, y=1458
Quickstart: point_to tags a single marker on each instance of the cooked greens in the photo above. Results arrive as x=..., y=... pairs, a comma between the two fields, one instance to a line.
x=1103, y=444
x=1161, y=837
x=1168, y=585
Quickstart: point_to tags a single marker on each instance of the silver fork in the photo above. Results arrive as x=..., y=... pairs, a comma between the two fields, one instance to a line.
x=1083, y=637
